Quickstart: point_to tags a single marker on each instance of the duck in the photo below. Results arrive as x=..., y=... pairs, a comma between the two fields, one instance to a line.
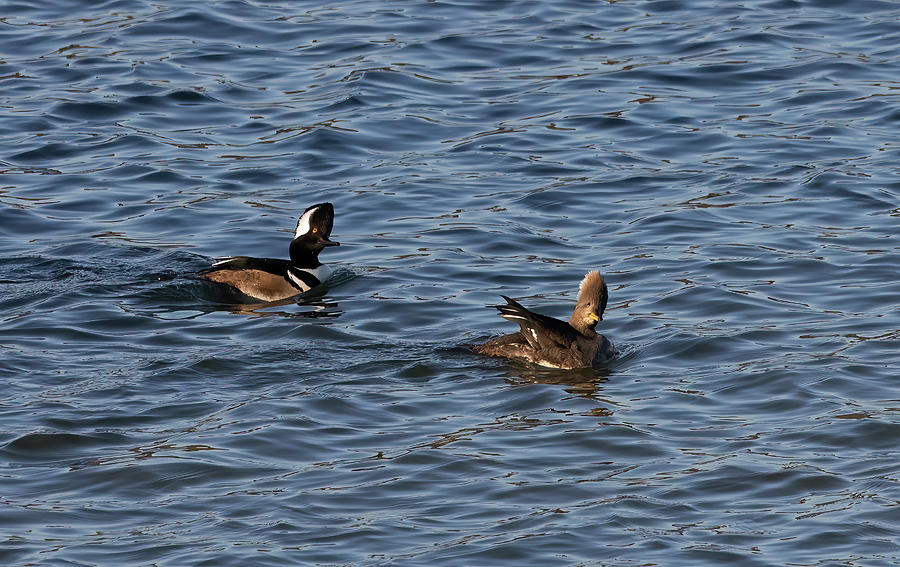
x=553, y=343
x=270, y=279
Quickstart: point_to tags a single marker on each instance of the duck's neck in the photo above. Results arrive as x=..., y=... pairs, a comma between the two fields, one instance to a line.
x=586, y=329
x=303, y=256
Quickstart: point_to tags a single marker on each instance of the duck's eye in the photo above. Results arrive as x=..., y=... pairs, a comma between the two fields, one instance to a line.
x=315, y=230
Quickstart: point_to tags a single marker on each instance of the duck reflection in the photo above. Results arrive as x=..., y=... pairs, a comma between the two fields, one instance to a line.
x=303, y=307
x=586, y=382
x=188, y=300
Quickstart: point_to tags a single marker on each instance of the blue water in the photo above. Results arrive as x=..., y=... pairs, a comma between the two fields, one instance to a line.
x=731, y=168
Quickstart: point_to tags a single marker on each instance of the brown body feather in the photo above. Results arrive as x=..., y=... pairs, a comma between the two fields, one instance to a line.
x=580, y=353
x=255, y=283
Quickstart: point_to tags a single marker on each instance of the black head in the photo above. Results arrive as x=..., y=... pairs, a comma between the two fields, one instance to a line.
x=312, y=233
x=316, y=220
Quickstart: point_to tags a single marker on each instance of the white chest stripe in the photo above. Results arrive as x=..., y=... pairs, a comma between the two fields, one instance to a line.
x=298, y=282
x=320, y=274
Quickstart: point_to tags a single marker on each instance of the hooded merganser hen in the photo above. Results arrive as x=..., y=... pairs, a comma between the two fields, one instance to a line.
x=550, y=342
x=269, y=279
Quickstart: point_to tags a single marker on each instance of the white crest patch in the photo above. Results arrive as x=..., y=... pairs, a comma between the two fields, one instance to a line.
x=303, y=226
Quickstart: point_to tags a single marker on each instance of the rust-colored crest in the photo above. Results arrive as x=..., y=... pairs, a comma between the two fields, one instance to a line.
x=593, y=287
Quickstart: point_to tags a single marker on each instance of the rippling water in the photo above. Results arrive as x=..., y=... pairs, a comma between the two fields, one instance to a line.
x=731, y=168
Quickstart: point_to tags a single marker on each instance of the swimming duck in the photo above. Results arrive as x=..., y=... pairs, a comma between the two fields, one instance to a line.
x=269, y=279
x=550, y=342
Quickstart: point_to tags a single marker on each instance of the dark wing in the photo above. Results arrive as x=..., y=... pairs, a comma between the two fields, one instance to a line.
x=271, y=265
x=539, y=330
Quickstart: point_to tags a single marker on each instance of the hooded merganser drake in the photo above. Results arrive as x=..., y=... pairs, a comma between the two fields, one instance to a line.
x=550, y=342
x=269, y=279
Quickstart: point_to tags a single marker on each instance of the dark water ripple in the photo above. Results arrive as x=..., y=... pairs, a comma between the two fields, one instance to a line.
x=732, y=168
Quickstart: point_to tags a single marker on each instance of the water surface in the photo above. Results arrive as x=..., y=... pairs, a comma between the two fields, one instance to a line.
x=732, y=169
